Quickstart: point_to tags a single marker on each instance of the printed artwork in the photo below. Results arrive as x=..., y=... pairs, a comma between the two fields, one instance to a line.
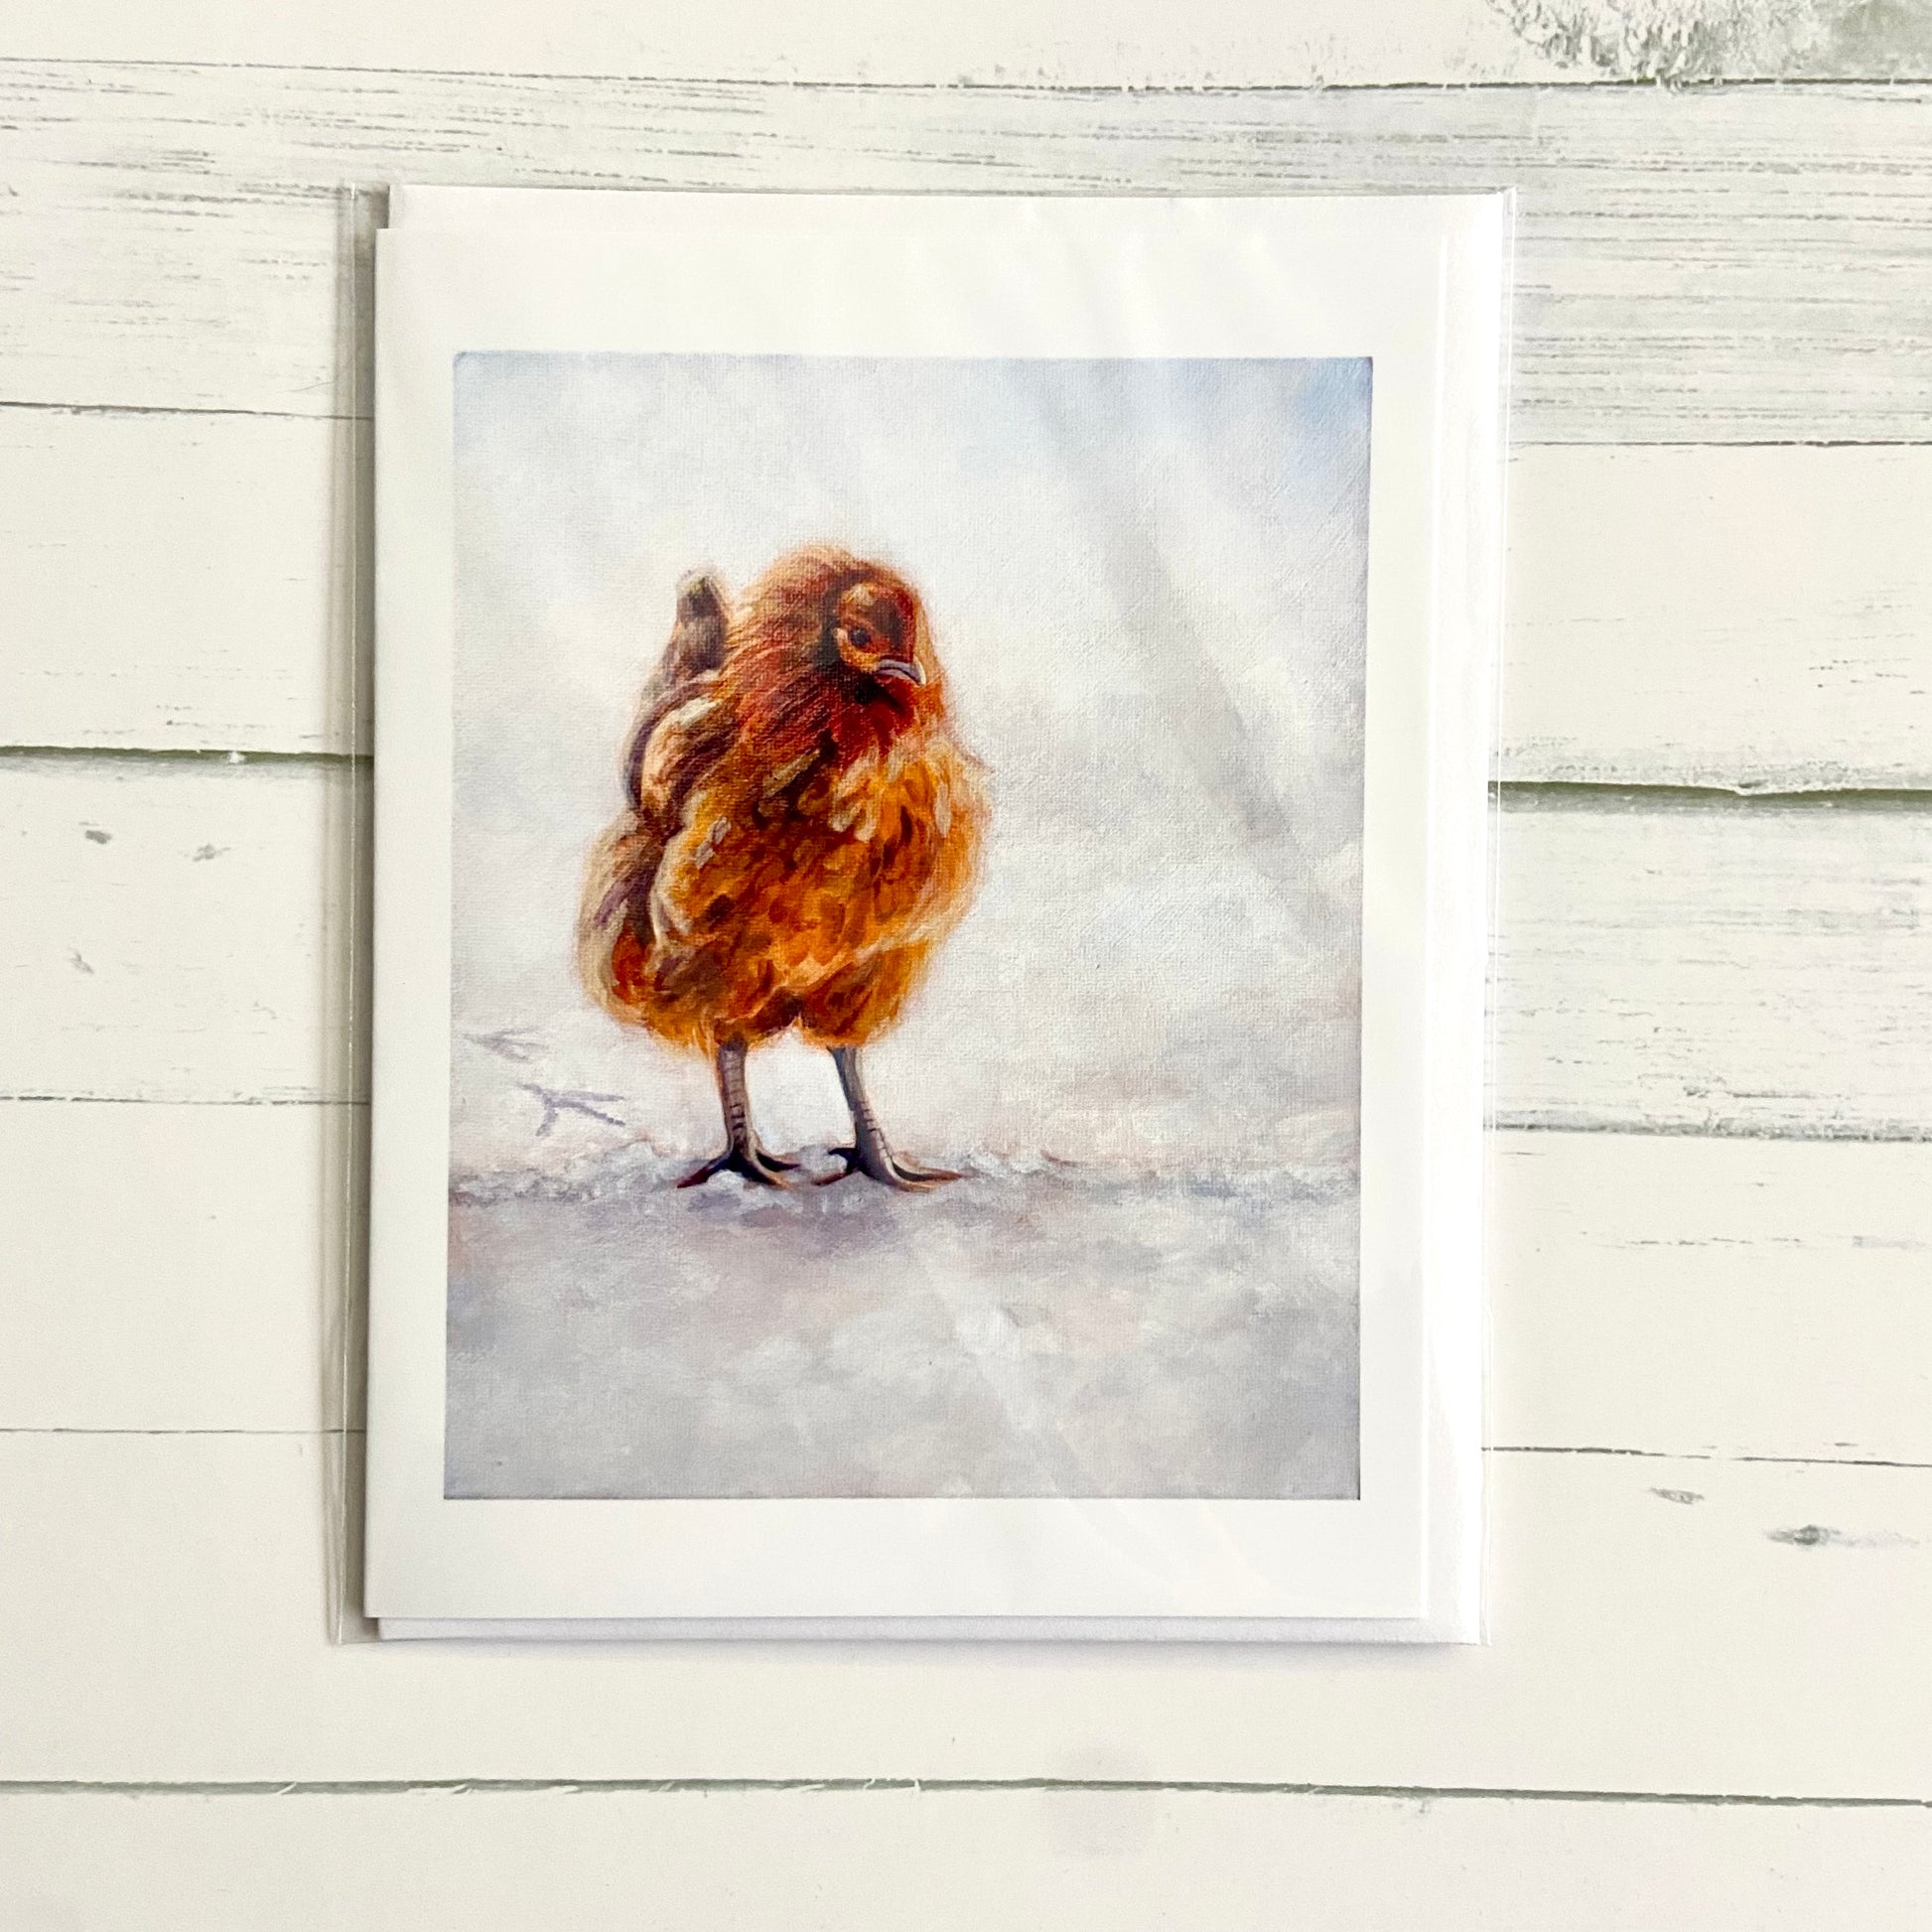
x=907, y=926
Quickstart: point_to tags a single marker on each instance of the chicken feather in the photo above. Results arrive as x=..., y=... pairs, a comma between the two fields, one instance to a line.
x=802, y=828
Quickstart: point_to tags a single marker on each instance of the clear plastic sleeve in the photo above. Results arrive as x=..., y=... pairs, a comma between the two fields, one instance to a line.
x=1042, y=650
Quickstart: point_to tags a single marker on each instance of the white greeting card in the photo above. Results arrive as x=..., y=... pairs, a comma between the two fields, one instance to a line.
x=930, y=914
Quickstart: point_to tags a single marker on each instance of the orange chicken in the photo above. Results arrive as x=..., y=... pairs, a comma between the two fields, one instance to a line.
x=800, y=831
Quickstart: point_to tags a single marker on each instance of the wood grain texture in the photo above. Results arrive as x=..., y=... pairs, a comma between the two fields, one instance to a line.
x=180, y=581
x=1734, y=267
x=1754, y=619
x=1692, y=266
x=1077, y=43
x=181, y=932
x=1779, y=1620
x=1760, y=968
x=1648, y=1295
x=880, y=1860
x=1745, y=617
x=184, y=933
x=1656, y=1293
x=178, y=1267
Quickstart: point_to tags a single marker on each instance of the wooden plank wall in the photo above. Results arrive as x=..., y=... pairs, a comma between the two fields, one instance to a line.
x=1709, y=1698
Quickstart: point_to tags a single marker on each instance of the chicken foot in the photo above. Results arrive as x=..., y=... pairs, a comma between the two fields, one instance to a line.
x=744, y=1154
x=870, y=1152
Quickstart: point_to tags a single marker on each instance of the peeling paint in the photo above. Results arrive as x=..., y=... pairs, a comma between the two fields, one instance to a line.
x=1676, y=41
x=1815, y=1536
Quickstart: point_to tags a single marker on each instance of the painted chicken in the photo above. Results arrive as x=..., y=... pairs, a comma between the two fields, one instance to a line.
x=800, y=831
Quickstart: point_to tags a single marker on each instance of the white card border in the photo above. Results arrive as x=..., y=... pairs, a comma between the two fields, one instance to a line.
x=1415, y=283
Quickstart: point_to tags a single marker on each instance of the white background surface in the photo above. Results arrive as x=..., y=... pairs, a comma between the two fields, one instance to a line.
x=1708, y=1700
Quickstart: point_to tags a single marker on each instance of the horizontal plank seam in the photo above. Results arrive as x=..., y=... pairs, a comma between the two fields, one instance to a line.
x=191, y=410
x=29, y=1098
x=1489, y=1448
x=666, y=1787
x=65, y=1429
x=1590, y=792
x=177, y=409
x=1888, y=1134
x=1047, y=89
x=1694, y=1455
x=174, y=755
x=1584, y=793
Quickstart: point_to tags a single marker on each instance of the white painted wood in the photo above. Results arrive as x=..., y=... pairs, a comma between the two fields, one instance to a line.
x=1759, y=619
x=1746, y=618
x=163, y=1614
x=1758, y=967
x=1076, y=43
x=1734, y=267
x=1728, y=1297
x=177, y=581
x=182, y=933
x=879, y=1861
x=1731, y=265
x=1657, y=1294
x=175, y=1267
x=175, y=932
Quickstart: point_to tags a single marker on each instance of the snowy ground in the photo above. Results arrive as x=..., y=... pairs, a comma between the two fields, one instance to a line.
x=1059, y=1331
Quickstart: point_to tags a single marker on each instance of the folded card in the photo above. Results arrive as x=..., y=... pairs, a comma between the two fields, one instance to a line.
x=930, y=914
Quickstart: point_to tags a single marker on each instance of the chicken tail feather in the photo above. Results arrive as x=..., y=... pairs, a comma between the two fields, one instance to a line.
x=697, y=641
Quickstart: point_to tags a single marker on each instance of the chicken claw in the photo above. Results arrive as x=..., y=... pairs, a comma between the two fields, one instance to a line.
x=751, y=1163
x=881, y=1164
x=871, y=1154
x=744, y=1155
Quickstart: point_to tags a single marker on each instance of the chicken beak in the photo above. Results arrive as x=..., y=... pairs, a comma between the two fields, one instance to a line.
x=903, y=668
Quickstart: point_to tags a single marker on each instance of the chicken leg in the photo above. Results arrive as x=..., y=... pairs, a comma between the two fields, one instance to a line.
x=869, y=1153
x=744, y=1152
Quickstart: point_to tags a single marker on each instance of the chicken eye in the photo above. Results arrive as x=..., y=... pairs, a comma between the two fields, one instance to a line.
x=861, y=637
